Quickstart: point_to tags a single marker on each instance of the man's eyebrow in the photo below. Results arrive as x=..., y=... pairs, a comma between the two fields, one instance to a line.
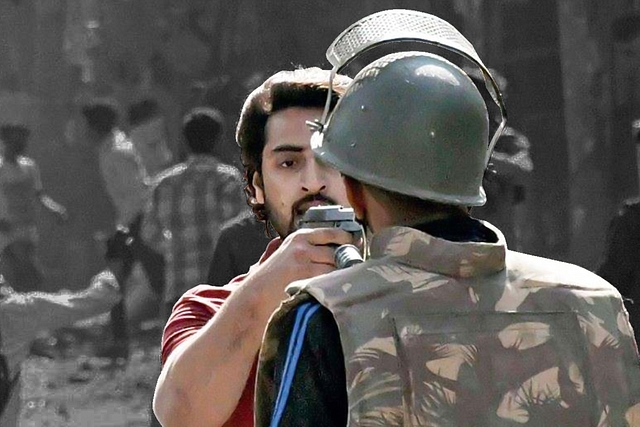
x=287, y=148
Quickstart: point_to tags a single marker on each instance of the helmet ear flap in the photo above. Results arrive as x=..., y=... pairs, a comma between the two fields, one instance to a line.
x=412, y=123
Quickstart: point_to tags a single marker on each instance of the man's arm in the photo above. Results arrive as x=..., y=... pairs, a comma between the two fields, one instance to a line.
x=309, y=390
x=53, y=206
x=45, y=200
x=28, y=314
x=204, y=377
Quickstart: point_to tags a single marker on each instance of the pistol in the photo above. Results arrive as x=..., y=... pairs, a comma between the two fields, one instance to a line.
x=335, y=216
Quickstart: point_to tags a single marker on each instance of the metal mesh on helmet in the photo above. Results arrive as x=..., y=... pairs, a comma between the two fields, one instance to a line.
x=393, y=25
x=409, y=25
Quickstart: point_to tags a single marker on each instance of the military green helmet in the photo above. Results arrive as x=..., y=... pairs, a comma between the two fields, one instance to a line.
x=411, y=123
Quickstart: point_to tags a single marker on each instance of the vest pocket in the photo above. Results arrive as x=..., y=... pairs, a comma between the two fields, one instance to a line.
x=493, y=369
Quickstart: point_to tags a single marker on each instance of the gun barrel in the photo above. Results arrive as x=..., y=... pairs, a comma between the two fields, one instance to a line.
x=346, y=256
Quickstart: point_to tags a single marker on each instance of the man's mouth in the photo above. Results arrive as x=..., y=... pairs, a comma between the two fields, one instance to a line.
x=304, y=205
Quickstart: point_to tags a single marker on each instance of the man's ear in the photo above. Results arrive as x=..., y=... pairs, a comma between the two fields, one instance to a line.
x=355, y=195
x=256, y=181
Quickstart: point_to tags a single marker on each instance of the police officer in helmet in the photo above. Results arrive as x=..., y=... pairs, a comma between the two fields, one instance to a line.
x=442, y=324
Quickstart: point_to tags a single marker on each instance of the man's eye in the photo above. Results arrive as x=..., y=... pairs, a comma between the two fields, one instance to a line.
x=287, y=163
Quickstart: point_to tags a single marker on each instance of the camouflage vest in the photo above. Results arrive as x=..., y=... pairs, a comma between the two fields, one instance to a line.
x=469, y=334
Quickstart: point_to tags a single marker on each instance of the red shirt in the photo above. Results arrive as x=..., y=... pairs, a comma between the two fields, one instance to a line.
x=192, y=311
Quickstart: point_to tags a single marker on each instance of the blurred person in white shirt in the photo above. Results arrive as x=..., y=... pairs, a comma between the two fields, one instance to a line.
x=148, y=132
x=127, y=184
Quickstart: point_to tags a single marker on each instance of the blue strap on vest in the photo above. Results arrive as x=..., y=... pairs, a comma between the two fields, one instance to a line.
x=303, y=314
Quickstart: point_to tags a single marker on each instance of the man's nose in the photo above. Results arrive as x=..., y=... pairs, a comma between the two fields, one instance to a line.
x=315, y=178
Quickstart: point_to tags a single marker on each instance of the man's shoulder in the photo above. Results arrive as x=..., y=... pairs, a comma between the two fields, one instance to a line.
x=542, y=272
x=191, y=313
x=228, y=170
x=244, y=220
x=168, y=175
x=22, y=162
x=117, y=150
x=205, y=291
x=342, y=282
x=212, y=166
x=26, y=162
x=523, y=270
x=630, y=208
x=28, y=166
x=120, y=144
x=202, y=298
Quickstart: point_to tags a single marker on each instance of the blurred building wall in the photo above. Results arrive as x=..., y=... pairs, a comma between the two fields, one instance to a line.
x=521, y=39
x=601, y=87
x=571, y=91
x=583, y=69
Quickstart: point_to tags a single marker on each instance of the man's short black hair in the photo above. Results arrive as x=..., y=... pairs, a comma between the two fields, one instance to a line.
x=142, y=111
x=201, y=129
x=102, y=117
x=11, y=132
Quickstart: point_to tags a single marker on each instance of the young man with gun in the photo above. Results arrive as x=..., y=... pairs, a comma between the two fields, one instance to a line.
x=211, y=342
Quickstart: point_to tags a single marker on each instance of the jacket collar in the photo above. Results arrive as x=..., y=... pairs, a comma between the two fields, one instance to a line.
x=452, y=258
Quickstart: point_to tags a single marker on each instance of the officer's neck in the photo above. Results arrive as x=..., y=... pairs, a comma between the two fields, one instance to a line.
x=379, y=211
x=380, y=216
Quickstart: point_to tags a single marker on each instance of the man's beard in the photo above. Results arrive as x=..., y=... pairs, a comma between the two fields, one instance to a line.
x=284, y=228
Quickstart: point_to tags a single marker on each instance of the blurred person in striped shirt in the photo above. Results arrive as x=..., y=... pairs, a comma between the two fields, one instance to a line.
x=188, y=205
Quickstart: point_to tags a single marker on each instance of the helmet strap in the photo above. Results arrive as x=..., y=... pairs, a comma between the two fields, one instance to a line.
x=365, y=236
